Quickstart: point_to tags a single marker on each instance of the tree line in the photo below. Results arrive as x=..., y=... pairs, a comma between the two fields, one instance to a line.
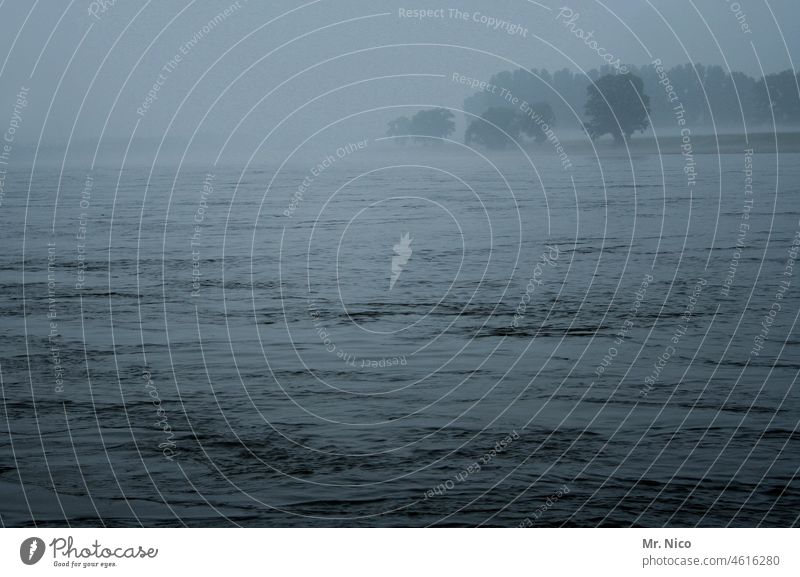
x=521, y=104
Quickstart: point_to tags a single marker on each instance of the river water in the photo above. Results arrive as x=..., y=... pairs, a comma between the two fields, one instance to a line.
x=403, y=336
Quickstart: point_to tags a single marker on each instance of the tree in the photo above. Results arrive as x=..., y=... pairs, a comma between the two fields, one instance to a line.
x=536, y=120
x=779, y=98
x=707, y=93
x=400, y=126
x=432, y=123
x=425, y=126
x=615, y=107
x=495, y=128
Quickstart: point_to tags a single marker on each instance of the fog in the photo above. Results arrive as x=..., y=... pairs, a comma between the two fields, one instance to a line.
x=361, y=263
x=255, y=78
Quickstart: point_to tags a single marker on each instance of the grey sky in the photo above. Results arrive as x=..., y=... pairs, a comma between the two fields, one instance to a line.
x=92, y=73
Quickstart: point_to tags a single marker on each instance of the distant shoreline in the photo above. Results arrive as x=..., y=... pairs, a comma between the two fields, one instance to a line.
x=760, y=142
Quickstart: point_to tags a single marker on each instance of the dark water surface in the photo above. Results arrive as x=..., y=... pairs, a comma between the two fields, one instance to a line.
x=235, y=354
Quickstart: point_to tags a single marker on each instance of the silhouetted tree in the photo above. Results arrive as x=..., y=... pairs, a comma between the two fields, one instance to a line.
x=711, y=96
x=615, y=106
x=779, y=98
x=536, y=120
x=432, y=123
x=400, y=126
x=494, y=129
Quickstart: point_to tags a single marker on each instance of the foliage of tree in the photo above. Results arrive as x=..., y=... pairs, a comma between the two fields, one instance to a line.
x=496, y=128
x=617, y=105
x=711, y=96
x=399, y=127
x=425, y=126
x=781, y=100
x=536, y=120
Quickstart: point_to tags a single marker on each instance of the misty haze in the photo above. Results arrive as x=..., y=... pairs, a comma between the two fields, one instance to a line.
x=361, y=263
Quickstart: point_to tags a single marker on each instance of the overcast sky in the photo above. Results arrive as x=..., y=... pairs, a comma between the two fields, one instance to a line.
x=89, y=69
